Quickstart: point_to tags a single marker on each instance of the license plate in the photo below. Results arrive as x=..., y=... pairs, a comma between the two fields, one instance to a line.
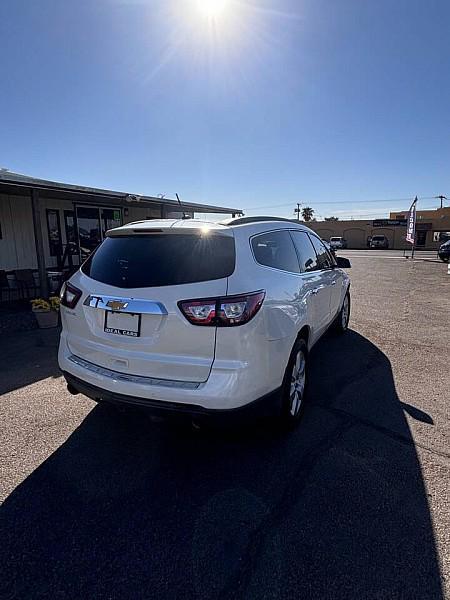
x=123, y=324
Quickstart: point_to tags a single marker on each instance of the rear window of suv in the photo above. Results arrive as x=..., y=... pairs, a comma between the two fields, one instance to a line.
x=155, y=260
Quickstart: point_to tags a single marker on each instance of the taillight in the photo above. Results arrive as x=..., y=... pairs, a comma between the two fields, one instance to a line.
x=227, y=311
x=69, y=295
x=199, y=312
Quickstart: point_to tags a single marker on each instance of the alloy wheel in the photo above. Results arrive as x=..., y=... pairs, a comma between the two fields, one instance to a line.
x=298, y=380
x=345, y=313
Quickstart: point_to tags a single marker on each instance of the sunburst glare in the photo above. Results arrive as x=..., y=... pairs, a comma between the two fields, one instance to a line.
x=228, y=40
x=212, y=9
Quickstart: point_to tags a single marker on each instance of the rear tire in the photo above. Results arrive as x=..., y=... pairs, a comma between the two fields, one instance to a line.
x=340, y=324
x=294, y=385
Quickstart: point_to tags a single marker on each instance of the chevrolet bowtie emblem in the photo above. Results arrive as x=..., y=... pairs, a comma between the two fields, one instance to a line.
x=116, y=304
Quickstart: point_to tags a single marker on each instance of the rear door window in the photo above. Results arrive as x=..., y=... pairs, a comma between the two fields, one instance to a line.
x=305, y=250
x=155, y=260
x=324, y=259
x=275, y=249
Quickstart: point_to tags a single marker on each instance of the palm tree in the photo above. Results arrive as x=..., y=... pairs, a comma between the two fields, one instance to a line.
x=307, y=213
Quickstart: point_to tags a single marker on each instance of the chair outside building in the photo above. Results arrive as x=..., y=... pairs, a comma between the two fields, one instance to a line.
x=5, y=288
x=26, y=283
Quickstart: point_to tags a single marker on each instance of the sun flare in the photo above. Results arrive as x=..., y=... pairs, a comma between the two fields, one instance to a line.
x=212, y=9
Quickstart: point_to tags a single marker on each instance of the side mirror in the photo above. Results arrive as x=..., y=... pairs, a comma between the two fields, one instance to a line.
x=343, y=263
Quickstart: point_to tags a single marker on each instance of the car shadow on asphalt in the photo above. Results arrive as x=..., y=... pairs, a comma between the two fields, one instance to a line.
x=130, y=508
x=28, y=356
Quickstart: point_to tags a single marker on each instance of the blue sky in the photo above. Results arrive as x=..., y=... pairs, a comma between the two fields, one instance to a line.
x=341, y=105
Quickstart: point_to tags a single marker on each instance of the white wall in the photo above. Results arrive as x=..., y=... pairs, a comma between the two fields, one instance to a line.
x=17, y=246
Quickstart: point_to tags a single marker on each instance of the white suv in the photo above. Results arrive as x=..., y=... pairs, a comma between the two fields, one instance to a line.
x=338, y=243
x=201, y=318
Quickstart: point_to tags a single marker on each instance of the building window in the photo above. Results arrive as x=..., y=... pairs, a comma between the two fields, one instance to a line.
x=54, y=232
x=110, y=218
x=71, y=231
x=421, y=238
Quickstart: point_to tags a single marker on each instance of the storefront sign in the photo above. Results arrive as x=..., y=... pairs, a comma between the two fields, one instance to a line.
x=389, y=223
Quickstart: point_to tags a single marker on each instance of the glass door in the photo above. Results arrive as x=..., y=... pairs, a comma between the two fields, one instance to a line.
x=54, y=235
x=71, y=251
x=92, y=223
x=110, y=218
x=421, y=237
x=89, y=233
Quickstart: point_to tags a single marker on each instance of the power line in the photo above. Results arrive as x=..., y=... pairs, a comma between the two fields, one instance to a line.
x=371, y=215
x=341, y=202
x=441, y=198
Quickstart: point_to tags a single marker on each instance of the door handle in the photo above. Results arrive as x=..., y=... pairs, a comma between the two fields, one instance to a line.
x=315, y=291
x=333, y=282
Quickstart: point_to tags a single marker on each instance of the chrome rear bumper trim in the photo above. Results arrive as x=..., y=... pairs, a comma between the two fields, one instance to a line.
x=126, y=305
x=140, y=379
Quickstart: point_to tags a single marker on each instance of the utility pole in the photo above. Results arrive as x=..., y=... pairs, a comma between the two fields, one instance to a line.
x=442, y=198
x=298, y=211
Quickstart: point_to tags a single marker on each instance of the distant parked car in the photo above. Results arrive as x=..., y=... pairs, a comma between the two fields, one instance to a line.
x=329, y=248
x=379, y=241
x=444, y=252
x=338, y=242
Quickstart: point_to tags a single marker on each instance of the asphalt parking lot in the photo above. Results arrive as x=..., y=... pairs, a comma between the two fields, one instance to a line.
x=355, y=503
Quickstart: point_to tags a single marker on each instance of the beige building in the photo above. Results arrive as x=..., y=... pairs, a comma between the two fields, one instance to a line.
x=432, y=229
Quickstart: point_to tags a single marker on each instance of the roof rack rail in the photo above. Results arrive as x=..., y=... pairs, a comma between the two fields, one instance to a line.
x=246, y=220
x=147, y=220
x=136, y=222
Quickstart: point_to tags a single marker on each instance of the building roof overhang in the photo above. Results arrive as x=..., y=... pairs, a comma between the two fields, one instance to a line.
x=18, y=184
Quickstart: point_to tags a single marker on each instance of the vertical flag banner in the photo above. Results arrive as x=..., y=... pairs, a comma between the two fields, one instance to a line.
x=411, y=227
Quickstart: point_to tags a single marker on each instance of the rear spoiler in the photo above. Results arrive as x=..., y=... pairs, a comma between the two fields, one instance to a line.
x=202, y=231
